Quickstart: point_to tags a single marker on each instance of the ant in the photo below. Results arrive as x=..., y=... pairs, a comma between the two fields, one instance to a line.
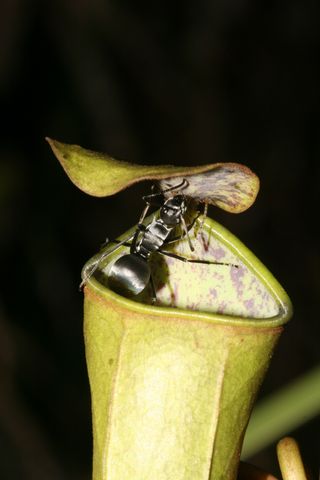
x=131, y=273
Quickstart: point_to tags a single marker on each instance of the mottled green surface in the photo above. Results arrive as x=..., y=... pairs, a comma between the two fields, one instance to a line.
x=172, y=387
x=243, y=287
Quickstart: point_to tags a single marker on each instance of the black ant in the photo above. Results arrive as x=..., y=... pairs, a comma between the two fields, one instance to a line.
x=131, y=273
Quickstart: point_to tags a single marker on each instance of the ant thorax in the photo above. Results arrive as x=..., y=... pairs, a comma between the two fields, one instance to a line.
x=172, y=210
x=153, y=238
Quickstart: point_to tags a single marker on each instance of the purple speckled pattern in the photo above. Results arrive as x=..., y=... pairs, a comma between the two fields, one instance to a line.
x=237, y=278
x=230, y=289
x=218, y=253
x=230, y=186
x=213, y=293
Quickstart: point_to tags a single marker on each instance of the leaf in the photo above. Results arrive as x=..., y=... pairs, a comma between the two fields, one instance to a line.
x=173, y=384
x=230, y=186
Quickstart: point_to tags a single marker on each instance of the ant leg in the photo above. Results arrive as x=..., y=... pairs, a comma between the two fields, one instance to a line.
x=189, y=260
x=188, y=228
x=144, y=213
x=119, y=243
x=146, y=199
x=149, y=199
x=184, y=226
x=205, y=213
x=154, y=295
x=104, y=255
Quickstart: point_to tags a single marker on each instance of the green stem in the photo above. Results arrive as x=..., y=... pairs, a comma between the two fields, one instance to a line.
x=283, y=412
x=290, y=461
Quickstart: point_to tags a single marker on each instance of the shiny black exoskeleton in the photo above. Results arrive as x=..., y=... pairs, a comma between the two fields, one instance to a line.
x=131, y=273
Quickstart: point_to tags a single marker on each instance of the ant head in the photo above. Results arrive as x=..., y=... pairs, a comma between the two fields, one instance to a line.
x=172, y=210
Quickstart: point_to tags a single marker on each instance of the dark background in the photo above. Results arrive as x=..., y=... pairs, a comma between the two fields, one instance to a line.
x=187, y=83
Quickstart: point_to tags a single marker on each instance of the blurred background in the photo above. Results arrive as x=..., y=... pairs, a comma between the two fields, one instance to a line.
x=187, y=83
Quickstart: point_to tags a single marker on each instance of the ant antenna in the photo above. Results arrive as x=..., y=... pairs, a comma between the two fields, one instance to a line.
x=184, y=226
x=180, y=186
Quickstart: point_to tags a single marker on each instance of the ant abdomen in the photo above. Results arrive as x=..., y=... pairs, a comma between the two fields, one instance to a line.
x=130, y=274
